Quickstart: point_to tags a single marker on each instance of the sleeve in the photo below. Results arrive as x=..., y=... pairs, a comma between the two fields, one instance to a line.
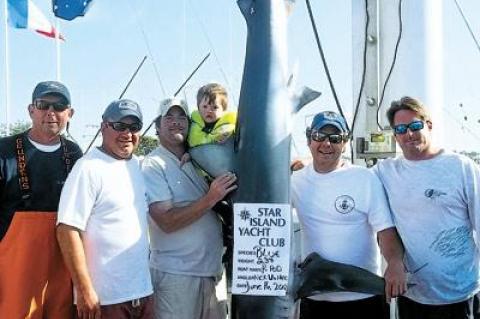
x=156, y=183
x=78, y=197
x=379, y=214
x=472, y=193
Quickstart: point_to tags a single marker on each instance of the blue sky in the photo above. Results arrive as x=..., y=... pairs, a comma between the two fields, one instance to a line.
x=103, y=49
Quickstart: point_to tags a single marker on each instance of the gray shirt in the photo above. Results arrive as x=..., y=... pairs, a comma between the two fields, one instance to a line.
x=196, y=249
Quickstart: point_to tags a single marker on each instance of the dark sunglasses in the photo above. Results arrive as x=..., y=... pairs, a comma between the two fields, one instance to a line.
x=414, y=126
x=332, y=138
x=122, y=127
x=45, y=105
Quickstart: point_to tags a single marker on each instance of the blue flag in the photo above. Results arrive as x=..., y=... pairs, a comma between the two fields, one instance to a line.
x=70, y=9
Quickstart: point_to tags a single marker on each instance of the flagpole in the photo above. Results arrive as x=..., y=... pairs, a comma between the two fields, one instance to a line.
x=7, y=73
x=57, y=44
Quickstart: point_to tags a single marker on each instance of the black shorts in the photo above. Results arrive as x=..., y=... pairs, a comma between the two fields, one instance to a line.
x=409, y=309
x=371, y=308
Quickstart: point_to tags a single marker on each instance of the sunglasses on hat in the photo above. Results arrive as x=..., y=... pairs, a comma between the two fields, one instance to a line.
x=414, y=126
x=122, y=127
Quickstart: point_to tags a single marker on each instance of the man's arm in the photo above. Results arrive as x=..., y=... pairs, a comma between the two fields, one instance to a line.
x=71, y=245
x=395, y=274
x=171, y=219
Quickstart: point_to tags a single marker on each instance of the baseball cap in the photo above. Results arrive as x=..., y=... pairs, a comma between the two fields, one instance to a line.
x=329, y=118
x=120, y=109
x=167, y=104
x=51, y=87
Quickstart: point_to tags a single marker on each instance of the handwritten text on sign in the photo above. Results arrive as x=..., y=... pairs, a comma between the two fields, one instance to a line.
x=261, y=249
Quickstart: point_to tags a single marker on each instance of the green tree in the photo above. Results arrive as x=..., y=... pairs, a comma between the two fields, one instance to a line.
x=15, y=128
x=147, y=144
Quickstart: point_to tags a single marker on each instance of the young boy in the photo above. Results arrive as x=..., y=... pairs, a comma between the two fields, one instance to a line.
x=211, y=123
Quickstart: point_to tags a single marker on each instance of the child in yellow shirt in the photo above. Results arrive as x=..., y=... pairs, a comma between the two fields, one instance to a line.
x=211, y=123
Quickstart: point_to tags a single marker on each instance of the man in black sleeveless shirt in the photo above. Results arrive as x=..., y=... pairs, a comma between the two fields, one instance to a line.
x=33, y=167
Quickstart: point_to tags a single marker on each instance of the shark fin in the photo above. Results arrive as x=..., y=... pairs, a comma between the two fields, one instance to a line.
x=318, y=275
x=215, y=159
x=302, y=97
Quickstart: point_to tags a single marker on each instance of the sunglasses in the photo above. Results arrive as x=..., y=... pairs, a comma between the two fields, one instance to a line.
x=45, y=105
x=332, y=138
x=122, y=127
x=414, y=126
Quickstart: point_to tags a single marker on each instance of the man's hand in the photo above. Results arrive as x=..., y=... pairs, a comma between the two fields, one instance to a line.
x=395, y=280
x=299, y=163
x=221, y=186
x=88, y=305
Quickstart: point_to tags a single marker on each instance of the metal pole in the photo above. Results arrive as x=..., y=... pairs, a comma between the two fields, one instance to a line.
x=7, y=73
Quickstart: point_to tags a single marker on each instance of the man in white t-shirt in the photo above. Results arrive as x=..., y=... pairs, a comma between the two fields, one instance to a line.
x=435, y=201
x=102, y=223
x=343, y=213
x=186, y=239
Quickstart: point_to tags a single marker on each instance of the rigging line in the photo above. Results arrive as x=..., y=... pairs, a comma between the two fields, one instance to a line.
x=394, y=60
x=121, y=95
x=467, y=24
x=212, y=48
x=149, y=50
x=180, y=89
x=322, y=55
x=191, y=74
x=469, y=130
x=362, y=83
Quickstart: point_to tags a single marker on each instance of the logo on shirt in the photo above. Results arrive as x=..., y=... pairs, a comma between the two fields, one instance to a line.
x=433, y=193
x=344, y=204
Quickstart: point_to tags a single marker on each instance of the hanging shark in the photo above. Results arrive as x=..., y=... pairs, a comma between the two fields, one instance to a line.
x=259, y=154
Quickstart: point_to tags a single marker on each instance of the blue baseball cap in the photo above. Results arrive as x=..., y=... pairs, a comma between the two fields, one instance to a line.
x=119, y=109
x=51, y=88
x=329, y=118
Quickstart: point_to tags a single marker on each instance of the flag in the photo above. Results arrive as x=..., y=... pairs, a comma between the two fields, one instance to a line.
x=24, y=14
x=70, y=9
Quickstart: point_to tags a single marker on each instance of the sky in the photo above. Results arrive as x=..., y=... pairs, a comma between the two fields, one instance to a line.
x=103, y=49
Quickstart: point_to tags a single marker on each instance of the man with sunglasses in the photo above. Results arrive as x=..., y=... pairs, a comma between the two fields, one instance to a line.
x=102, y=223
x=185, y=233
x=34, y=282
x=435, y=201
x=343, y=212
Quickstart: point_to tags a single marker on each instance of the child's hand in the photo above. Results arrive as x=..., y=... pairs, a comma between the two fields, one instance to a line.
x=223, y=138
x=185, y=158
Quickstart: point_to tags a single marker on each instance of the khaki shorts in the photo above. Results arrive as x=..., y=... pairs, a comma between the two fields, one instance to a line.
x=185, y=297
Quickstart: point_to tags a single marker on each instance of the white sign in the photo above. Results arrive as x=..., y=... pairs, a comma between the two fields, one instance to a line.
x=261, y=252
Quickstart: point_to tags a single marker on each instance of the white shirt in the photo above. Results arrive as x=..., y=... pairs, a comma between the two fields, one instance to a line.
x=436, y=207
x=105, y=198
x=340, y=213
